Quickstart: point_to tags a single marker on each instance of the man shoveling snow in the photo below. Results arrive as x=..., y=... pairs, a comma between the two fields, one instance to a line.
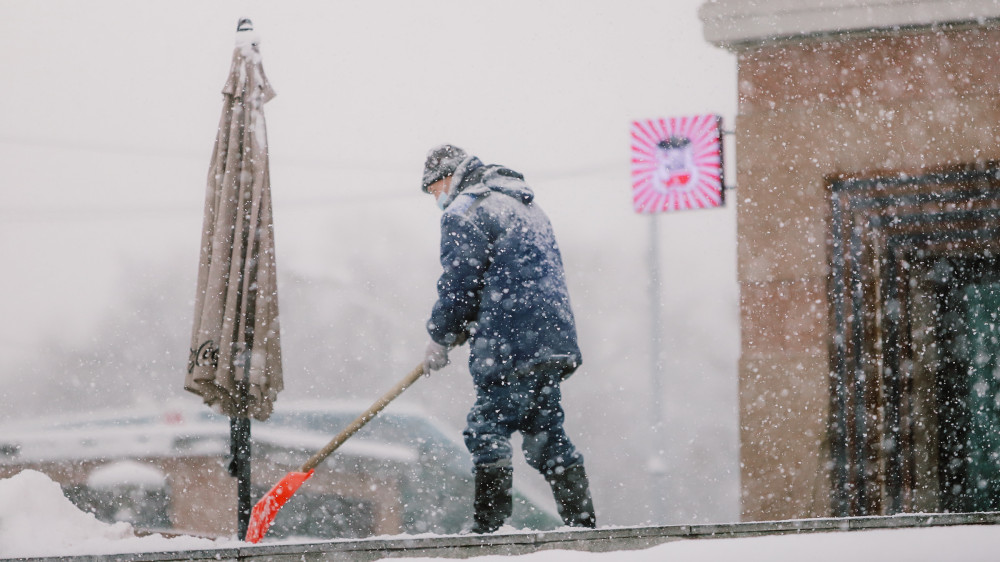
x=503, y=289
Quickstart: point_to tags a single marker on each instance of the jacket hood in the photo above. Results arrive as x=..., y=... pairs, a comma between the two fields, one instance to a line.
x=492, y=177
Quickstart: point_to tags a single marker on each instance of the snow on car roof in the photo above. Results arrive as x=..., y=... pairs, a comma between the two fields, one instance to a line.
x=167, y=435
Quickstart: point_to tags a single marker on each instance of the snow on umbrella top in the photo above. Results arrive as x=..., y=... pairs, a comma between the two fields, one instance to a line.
x=236, y=304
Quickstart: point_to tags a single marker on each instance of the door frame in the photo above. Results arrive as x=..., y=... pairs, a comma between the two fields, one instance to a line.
x=881, y=229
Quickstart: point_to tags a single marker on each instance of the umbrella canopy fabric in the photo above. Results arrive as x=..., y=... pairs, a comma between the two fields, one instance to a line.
x=236, y=305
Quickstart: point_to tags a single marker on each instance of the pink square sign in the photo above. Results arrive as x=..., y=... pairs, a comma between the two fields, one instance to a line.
x=677, y=163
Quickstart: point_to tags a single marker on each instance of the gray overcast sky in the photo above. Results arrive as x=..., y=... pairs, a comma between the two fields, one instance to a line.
x=108, y=114
x=109, y=108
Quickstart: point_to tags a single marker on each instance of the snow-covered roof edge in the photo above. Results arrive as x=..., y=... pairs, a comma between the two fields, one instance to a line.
x=734, y=23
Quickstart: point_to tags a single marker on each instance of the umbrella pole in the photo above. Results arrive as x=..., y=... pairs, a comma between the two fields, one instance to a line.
x=240, y=429
x=239, y=444
x=240, y=424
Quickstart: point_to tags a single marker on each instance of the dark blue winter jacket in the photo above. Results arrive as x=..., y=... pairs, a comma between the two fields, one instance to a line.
x=503, y=283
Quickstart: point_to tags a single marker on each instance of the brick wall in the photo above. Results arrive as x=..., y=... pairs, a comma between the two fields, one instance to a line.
x=812, y=110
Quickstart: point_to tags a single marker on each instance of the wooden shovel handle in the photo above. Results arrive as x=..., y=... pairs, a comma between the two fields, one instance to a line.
x=364, y=418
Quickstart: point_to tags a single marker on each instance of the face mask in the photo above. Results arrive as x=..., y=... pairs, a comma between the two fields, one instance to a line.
x=442, y=199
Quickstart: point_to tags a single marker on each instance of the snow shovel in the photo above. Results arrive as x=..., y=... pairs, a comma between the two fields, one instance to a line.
x=267, y=508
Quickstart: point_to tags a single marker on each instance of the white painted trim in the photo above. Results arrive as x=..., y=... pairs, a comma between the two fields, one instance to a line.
x=734, y=22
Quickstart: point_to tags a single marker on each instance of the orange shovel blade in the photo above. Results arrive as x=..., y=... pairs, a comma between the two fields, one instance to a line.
x=267, y=508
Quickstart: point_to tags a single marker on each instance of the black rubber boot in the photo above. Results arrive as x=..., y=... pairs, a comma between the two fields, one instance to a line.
x=572, y=492
x=493, y=501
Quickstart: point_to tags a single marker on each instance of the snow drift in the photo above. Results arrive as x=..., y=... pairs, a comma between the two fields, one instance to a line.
x=36, y=519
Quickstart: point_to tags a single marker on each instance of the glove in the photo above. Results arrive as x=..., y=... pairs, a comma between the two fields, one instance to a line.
x=435, y=356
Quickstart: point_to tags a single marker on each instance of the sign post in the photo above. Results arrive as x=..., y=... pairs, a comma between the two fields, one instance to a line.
x=676, y=165
x=656, y=465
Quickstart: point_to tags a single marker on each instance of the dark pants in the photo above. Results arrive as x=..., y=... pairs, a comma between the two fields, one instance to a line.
x=526, y=402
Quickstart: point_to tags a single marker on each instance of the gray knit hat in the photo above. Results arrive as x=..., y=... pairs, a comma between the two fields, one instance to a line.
x=442, y=161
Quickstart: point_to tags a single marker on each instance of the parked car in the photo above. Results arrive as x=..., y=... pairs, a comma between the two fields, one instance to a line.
x=436, y=489
x=165, y=470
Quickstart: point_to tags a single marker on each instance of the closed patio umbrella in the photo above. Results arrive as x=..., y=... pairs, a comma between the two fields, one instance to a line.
x=235, y=360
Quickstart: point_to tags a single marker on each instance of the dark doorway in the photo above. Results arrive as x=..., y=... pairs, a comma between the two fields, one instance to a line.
x=915, y=297
x=967, y=386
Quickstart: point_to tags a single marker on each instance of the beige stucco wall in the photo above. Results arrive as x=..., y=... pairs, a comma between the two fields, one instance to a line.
x=810, y=110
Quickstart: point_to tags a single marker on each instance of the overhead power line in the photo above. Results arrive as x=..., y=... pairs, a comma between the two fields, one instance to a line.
x=329, y=165
x=92, y=213
x=196, y=154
